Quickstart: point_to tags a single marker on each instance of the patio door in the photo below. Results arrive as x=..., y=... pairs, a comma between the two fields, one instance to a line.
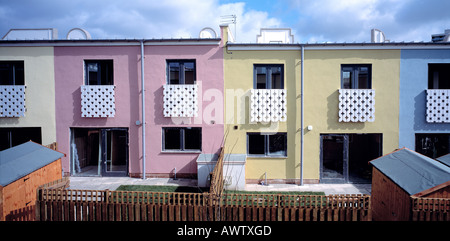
x=334, y=158
x=99, y=152
x=344, y=158
x=114, y=152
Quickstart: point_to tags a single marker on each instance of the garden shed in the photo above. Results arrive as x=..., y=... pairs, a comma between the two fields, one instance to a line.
x=23, y=169
x=401, y=175
x=445, y=159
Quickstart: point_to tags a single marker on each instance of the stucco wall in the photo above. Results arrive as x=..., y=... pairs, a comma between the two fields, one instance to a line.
x=238, y=83
x=209, y=76
x=69, y=76
x=413, y=86
x=39, y=92
x=322, y=78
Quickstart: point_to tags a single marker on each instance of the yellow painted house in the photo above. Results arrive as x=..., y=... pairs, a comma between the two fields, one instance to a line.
x=27, y=95
x=262, y=118
x=345, y=88
x=351, y=106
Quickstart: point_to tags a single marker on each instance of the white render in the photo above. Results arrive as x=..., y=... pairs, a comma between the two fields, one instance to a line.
x=438, y=102
x=98, y=101
x=268, y=105
x=180, y=100
x=12, y=100
x=356, y=105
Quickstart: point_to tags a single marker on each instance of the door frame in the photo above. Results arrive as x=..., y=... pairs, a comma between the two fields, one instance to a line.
x=345, y=159
x=104, y=163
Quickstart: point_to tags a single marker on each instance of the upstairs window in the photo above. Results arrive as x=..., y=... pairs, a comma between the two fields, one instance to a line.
x=99, y=72
x=12, y=73
x=268, y=76
x=181, y=72
x=182, y=139
x=268, y=145
x=438, y=76
x=356, y=76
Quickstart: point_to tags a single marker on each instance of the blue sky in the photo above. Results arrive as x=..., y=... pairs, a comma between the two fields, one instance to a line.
x=310, y=20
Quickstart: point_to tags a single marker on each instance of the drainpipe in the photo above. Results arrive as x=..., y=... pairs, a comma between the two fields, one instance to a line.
x=143, y=108
x=302, y=131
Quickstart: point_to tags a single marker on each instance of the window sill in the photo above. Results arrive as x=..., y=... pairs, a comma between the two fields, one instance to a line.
x=265, y=157
x=182, y=152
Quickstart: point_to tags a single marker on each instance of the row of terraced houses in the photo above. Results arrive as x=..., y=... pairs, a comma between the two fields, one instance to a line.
x=284, y=112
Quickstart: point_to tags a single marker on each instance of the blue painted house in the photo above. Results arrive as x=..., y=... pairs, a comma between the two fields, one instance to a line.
x=425, y=99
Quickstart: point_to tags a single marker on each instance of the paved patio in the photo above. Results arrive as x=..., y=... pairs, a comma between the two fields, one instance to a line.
x=112, y=183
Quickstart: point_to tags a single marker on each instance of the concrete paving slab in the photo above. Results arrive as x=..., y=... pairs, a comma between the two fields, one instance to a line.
x=112, y=183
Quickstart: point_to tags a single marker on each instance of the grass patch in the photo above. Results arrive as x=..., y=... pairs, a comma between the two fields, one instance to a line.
x=274, y=192
x=161, y=188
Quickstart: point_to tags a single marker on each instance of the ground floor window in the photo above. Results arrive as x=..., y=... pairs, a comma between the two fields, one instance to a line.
x=344, y=157
x=99, y=152
x=182, y=139
x=10, y=137
x=270, y=145
x=433, y=145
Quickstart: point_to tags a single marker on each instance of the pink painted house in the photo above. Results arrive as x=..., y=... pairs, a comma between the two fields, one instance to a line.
x=99, y=114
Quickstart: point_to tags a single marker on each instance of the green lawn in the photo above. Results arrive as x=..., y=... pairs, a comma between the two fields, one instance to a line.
x=159, y=188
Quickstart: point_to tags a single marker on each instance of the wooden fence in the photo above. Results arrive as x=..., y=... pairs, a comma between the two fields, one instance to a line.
x=430, y=209
x=94, y=205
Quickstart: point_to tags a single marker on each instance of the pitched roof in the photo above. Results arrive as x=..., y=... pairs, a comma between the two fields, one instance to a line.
x=23, y=159
x=411, y=171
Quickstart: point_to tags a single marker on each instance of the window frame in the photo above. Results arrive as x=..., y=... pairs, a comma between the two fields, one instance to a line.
x=267, y=153
x=109, y=80
x=269, y=81
x=354, y=79
x=181, y=74
x=443, y=70
x=12, y=71
x=182, y=140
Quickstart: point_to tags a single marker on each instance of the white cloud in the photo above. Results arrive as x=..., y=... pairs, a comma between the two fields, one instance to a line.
x=352, y=20
x=311, y=21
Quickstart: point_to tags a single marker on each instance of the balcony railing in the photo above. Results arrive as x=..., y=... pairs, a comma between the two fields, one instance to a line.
x=180, y=100
x=268, y=105
x=438, y=106
x=356, y=105
x=98, y=101
x=12, y=100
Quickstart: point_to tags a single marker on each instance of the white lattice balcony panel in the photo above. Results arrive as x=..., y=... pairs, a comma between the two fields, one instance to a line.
x=180, y=100
x=98, y=101
x=12, y=100
x=268, y=105
x=438, y=106
x=356, y=105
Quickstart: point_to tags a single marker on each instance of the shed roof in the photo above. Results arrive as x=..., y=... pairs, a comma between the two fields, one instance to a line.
x=23, y=159
x=411, y=171
x=445, y=159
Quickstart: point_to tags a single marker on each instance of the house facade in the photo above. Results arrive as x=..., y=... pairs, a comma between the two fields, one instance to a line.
x=100, y=108
x=351, y=109
x=424, y=99
x=27, y=92
x=261, y=109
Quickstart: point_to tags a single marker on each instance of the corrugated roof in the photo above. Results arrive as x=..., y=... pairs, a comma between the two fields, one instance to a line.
x=23, y=159
x=445, y=159
x=411, y=171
